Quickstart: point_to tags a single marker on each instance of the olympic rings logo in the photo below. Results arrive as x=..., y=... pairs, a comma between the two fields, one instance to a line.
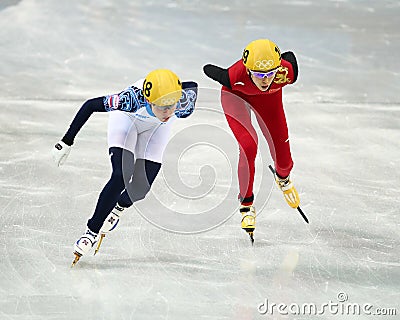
x=167, y=101
x=264, y=64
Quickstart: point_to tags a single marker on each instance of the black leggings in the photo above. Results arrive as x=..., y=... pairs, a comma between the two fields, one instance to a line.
x=130, y=182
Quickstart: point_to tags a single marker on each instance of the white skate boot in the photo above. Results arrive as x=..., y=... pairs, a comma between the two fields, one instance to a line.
x=112, y=220
x=109, y=224
x=84, y=244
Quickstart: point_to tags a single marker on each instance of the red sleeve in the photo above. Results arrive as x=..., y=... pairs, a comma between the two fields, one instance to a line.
x=240, y=80
x=237, y=73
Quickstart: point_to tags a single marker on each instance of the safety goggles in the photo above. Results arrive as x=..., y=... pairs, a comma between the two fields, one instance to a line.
x=163, y=108
x=262, y=75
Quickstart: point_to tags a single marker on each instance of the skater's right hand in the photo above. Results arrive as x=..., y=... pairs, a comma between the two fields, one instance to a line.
x=60, y=153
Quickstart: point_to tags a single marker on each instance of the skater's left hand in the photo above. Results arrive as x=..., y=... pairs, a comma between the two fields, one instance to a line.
x=60, y=153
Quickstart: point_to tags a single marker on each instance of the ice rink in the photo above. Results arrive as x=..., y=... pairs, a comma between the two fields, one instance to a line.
x=181, y=254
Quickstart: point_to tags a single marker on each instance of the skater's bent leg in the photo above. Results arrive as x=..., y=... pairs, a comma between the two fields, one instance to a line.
x=143, y=177
x=274, y=127
x=246, y=166
x=237, y=113
x=122, y=162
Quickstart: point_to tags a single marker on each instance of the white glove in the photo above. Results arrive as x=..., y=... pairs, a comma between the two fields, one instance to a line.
x=60, y=153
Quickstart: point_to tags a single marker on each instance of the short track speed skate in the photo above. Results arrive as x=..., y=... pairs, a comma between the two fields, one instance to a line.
x=248, y=220
x=109, y=224
x=84, y=244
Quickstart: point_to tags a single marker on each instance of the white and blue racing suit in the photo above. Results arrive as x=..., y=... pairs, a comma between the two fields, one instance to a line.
x=136, y=141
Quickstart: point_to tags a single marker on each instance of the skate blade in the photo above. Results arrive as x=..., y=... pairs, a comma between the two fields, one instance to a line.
x=251, y=235
x=77, y=257
x=99, y=243
x=250, y=232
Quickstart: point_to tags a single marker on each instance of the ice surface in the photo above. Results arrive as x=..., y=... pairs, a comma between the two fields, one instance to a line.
x=344, y=121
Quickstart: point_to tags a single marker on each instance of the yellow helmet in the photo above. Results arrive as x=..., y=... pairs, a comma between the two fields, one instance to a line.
x=162, y=87
x=261, y=55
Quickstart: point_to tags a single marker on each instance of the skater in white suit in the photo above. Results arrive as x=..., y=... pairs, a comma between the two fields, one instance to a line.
x=140, y=119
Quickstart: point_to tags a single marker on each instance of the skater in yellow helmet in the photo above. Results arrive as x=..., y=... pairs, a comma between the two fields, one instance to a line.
x=254, y=83
x=140, y=119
